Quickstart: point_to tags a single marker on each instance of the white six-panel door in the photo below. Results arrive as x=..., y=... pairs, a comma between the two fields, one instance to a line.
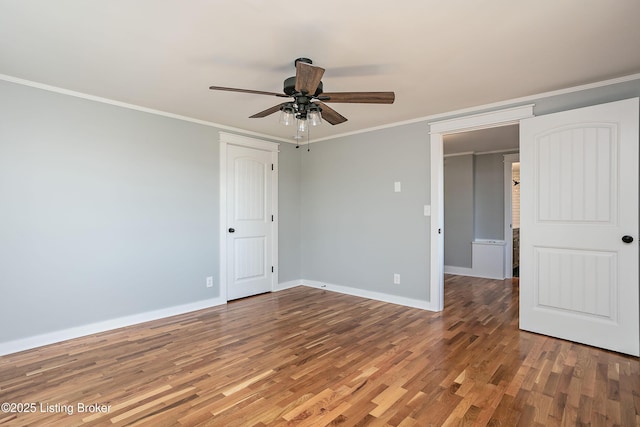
x=579, y=199
x=249, y=221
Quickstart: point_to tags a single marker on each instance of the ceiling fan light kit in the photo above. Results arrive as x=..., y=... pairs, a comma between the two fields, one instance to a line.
x=314, y=115
x=287, y=114
x=308, y=108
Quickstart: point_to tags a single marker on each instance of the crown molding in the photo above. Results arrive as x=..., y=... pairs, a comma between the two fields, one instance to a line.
x=63, y=91
x=434, y=117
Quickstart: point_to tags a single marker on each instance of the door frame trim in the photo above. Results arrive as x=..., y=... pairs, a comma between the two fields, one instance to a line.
x=437, y=130
x=244, y=141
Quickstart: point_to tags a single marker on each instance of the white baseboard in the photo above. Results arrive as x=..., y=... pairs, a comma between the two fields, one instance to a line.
x=287, y=285
x=28, y=343
x=460, y=271
x=465, y=271
x=378, y=296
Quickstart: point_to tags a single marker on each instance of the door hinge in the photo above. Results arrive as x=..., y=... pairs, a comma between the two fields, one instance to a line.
x=271, y=166
x=272, y=268
x=271, y=218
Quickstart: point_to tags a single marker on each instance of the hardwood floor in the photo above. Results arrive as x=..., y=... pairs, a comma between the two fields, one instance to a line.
x=310, y=357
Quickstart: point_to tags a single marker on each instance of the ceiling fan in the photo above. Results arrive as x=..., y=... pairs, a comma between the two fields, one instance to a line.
x=309, y=99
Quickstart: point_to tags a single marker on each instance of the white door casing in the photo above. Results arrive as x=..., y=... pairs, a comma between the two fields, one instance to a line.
x=579, y=197
x=248, y=216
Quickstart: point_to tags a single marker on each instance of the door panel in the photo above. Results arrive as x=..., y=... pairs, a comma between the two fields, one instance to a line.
x=576, y=170
x=249, y=210
x=250, y=254
x=579, y=196
x=579, y=282
x=250, y=189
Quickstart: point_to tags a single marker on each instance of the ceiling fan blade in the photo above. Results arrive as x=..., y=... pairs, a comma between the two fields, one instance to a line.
x=359, y=97
x=307, y=77
x=256, y=92
x=331, y=115
x=268, y=111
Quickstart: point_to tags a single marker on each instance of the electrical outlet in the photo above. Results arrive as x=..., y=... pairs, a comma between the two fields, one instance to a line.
x=396, y=279
x=210, y=282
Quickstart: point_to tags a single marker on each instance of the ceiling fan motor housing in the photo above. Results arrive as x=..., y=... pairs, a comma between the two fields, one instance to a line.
x=305, y=60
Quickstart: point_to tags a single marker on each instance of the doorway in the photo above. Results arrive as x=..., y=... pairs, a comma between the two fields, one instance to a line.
x=477, y=201
x=436, y=139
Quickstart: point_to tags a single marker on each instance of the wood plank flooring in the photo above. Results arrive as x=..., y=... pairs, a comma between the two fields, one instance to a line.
x=308, y=357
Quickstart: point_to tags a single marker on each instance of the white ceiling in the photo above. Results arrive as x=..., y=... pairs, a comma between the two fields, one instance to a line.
x=437, y=56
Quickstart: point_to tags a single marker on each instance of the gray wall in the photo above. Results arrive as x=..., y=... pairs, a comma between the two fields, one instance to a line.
x=289, y=210
x=356, y=231
x=598, y=95
x=488, y=196
x=106, y=211
x=458, y=210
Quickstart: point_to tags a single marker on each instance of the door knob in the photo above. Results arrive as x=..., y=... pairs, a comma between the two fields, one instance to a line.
x=627, y=239
x=232, y=230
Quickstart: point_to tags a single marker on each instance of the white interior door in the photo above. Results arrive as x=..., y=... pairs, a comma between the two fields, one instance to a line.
x=249, y=221
x=579, y=199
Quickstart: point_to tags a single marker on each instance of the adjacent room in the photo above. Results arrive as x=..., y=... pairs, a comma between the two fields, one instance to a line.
x=249, y=213
x=479, y=221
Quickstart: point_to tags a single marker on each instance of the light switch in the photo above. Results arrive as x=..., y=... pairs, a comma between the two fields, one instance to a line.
x=427, y=210
x=397, y=186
